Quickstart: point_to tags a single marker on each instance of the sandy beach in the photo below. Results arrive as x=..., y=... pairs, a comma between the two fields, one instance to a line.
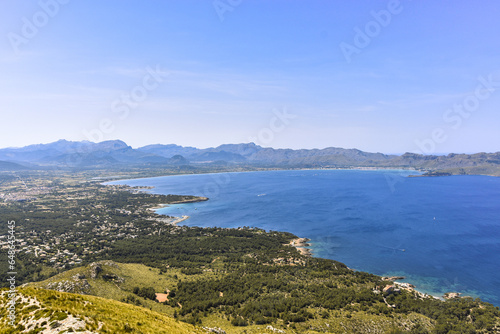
x=302, y=246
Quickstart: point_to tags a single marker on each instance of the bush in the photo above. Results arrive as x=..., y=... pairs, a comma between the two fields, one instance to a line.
x=239, y=322
x=191, y=271
x=147, y=293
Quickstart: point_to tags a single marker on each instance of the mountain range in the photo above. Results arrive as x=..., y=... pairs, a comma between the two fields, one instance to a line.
x=116, y=153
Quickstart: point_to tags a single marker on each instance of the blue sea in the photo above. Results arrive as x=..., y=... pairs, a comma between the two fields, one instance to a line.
x=441, y=233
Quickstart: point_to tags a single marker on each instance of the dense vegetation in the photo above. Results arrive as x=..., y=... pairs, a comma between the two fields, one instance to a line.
x=196, y=247
x=64, y=312
x=254, y=288
x=67, y=218
x=246, y=276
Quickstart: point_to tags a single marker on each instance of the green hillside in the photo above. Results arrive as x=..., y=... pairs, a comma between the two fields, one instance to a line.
x=117, y=281
x=323, y=300
x=48, y=311
x=77, y=236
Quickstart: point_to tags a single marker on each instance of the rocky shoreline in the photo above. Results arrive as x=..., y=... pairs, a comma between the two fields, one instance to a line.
x=301, y=244
x=413, y=288
x=173, y=220
x=186, y=201
x=194, y=200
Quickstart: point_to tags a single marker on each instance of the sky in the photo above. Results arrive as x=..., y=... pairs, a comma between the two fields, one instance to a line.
x=380, y=76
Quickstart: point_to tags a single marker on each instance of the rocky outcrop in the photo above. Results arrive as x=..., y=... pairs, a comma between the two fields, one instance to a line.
x=113, y=277
x=393, y=278
x=451, y=295
x=215, y=330
x=95, y=269
x=76, y=285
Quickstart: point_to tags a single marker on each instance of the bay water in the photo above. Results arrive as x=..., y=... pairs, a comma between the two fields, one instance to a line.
x=441, y=233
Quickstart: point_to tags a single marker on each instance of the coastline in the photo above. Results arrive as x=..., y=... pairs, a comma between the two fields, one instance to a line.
x=187, y=201
x=179, y=220
x=302, y=243
x=304, y=247
x=412, y=288
x=166, y=219
x=169, y=220
x=124, y=178
x=174, y=220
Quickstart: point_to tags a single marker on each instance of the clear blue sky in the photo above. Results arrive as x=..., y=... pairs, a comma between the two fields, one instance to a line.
x=227, y=77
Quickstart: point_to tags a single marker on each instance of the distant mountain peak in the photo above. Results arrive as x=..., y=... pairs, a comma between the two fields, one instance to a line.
x=113, y=144
x=64, y=153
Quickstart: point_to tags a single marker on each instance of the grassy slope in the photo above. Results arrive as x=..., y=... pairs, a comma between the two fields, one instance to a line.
x=99, y=315
x=134, y=274
x=346, y=320
x=143, y=276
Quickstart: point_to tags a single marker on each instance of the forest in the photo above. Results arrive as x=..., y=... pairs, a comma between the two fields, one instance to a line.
x=256, y=276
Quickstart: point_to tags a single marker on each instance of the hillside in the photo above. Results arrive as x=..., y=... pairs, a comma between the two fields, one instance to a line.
x=116, y=154
x=139, y=285
x=11, y=166
x=449, y=161
x=47, y=311
x=118, y=281
x=79, y=236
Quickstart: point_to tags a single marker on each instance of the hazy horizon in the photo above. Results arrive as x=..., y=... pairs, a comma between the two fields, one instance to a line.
x=208, y=147
x=378, y=76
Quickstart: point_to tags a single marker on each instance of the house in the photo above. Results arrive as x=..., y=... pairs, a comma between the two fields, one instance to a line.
x=389, y=289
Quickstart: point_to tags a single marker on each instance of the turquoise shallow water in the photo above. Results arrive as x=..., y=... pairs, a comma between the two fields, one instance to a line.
x=442, y=233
